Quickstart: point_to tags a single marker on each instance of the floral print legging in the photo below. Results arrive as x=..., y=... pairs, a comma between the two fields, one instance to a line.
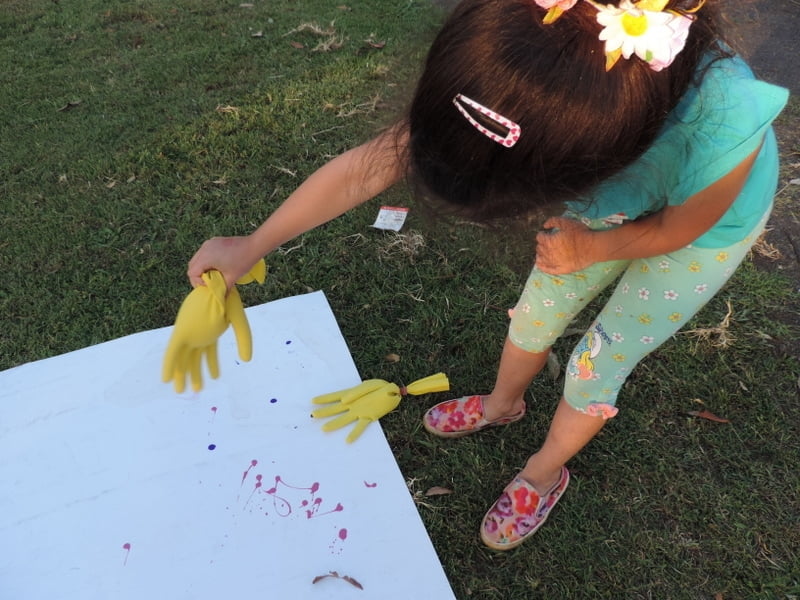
x=653, y=299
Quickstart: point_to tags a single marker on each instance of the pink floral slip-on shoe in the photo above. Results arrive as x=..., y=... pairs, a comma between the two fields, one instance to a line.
x=462, y=416
x=519, y=512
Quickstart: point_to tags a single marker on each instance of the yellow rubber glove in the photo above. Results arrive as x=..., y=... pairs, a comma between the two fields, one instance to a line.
x=203, y=317
x=234, y=310
x=369, y=401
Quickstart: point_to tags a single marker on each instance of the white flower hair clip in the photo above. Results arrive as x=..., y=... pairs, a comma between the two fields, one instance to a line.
x=643, y=28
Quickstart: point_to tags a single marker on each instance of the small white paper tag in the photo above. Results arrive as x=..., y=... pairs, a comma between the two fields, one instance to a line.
x=391, y=217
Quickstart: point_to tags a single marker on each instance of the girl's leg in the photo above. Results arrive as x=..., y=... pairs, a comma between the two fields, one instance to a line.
x=525, y=503
x=569, y=432
x=547, y=305
x=517, y=369
x=653, y=300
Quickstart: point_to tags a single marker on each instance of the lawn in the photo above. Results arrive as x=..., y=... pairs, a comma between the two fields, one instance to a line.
x=134, y=130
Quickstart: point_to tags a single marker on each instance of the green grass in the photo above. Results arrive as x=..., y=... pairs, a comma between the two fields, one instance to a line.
x=132, y=131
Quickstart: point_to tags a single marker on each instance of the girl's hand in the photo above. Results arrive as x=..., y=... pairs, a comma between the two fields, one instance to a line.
x=231, y=256
x=565, y=246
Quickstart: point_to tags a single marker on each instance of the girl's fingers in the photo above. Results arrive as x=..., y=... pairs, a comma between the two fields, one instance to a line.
x=550, y=223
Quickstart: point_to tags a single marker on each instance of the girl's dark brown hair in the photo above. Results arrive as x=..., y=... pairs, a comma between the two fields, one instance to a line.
x=580, y=124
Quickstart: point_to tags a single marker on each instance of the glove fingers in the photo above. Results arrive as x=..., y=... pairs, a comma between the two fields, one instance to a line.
x=329, y=411
x=364, y=388
x=234, y=310
x=178, y=376
x=357, y=430
x=170, y=359
x=257, y=273
x=348, y=395
x=195, y=372
x=179, y=381
x=327, y=398
x=212, y=360
x=433, y=383
x=339, y=422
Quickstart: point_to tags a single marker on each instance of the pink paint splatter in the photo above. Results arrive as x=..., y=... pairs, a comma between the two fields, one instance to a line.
x=314, y=510
x=211, y=421
x=286, y=499
x=253, y=463
x=336, y=545
x=370, y=485
x=256, y=487
x=127, y=547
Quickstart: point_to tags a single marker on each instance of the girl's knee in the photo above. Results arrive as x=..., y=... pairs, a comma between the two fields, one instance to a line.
x=530, y=334
x=606, y=410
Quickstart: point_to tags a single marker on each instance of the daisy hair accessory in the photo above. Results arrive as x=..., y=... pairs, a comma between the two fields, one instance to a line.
x=555, y=8
x=643, y=28
x=514, y=130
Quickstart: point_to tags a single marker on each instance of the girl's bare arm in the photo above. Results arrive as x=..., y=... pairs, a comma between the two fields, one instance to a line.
x=341, y=184
x=574, y=246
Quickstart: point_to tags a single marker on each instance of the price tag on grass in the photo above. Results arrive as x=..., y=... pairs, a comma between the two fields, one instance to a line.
x=391, y=217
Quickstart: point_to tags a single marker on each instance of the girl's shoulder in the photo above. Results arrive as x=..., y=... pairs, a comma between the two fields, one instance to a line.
x=722, y=119
x=727, y=93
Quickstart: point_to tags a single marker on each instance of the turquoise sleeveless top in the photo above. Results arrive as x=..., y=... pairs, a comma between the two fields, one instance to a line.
x=714, y=127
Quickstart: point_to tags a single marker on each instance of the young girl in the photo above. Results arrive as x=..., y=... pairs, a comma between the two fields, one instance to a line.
x=635, y=118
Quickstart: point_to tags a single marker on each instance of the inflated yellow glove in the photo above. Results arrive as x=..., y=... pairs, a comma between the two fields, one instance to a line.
x=203, y=317
x=369, y=401
x=234, y=310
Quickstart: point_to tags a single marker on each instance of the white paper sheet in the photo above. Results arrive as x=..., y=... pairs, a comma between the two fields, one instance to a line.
x=114, y=487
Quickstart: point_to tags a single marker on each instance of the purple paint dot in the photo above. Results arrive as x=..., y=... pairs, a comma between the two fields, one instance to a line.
x=273, y=400
x=288, y=342
x=212, y=446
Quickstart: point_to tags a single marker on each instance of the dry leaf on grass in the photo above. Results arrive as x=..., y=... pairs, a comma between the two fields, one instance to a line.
x=707, y=415
x=438, y=491
x=393, y=358
x=336, y=575
x=70, y=105
x=313, y=28
x=719, y=336
x=763, y=248
x=329, y=45
x=297, y=45
x=372, y=43
x=553, y=366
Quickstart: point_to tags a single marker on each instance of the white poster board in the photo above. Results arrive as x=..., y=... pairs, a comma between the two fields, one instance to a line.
x=114, y=487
